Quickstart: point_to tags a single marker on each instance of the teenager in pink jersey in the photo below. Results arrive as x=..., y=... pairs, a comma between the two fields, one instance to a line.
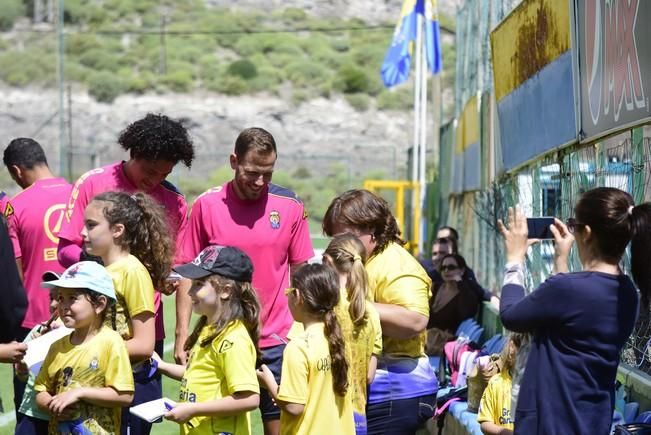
x=156, y=144
x=270, y=225
x=34, y=219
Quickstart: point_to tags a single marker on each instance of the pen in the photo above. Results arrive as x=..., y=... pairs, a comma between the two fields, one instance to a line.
x=168, y=406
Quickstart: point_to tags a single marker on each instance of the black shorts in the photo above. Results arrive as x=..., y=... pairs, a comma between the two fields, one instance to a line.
x=272, y=357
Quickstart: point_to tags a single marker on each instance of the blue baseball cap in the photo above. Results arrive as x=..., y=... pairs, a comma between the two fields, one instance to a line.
x=85, y=275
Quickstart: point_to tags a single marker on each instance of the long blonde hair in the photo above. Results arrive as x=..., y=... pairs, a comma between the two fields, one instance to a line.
x=347, y=255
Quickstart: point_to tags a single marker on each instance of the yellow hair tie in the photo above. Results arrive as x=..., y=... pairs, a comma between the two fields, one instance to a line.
x=357, y=258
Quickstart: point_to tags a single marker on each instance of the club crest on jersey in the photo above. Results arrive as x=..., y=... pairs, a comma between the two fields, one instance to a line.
x=274, y=219
x=94, y=364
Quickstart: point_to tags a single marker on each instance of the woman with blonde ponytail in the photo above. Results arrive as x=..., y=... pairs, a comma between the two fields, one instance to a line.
x=359, y=320
x=314, y=393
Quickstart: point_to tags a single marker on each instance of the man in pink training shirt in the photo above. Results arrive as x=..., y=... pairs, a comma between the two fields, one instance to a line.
x=156, y=144
x=34, y=217
x=269, y=224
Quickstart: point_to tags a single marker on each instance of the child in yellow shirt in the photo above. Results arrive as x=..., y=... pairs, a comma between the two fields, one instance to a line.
x=86, y=376
x=359, y=320
x=495, y=414
x=219, y=386
x=314, y=393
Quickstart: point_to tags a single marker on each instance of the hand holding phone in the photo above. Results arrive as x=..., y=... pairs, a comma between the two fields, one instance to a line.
x=539, y=228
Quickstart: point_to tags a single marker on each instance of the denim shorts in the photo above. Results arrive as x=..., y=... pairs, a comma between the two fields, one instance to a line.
x=272, y=357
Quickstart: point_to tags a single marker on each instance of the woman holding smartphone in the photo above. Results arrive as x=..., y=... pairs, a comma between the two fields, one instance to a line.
x=579, y=321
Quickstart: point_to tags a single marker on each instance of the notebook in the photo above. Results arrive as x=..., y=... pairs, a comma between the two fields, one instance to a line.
x=152, y=411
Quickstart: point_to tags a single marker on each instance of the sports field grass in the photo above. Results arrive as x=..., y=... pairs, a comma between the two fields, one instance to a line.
x=170, y=387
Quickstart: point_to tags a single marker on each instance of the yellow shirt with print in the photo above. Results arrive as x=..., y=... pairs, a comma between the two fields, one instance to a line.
x=495, y=405
x=103, y=361
x=361, y=344
x=218, y=370
x=395, y=277
x=307, y=380
x=134, y=291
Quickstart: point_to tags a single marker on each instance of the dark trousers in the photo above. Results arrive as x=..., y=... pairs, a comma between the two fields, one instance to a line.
x=147, y=389
x=399, y=417
x=31, y=426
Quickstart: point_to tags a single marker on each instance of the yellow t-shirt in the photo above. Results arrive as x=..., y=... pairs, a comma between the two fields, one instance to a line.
x=134, y=291
x=360, y=346
x=221, y=368
x=307, y=379
x=395, y=277
x=103, y=361
x=495, y=405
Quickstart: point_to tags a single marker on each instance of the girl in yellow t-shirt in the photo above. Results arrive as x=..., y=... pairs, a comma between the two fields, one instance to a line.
x=128, y=233
x=219, y=385
x=359, y=320
x=314, y=395
x=495, y=414
x=85, y=378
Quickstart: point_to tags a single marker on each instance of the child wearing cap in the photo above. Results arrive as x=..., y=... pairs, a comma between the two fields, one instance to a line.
x=86, y=376
x=219, y=385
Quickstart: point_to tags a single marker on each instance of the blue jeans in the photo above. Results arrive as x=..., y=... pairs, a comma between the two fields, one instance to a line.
x=399, y=417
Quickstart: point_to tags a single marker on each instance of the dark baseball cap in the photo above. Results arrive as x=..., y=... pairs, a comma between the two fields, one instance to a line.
x=227, y=261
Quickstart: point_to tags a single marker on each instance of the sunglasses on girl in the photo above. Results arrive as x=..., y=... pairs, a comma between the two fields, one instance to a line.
x=449, y=267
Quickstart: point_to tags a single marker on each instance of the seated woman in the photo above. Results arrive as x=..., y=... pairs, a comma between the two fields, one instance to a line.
x=453, y=301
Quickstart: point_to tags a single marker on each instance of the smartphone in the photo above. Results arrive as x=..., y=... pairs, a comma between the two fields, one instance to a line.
x=539, y=227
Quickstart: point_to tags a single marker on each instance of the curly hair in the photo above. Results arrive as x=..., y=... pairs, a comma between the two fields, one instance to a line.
x=361, y=210
x=146, y=234
x=157, y=137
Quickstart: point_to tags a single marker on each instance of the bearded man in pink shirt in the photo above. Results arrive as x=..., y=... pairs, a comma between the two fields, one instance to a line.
x=270, y=225
x=34, y=216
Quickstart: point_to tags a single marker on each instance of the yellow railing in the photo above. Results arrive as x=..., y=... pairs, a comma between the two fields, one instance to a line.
x=399, y=187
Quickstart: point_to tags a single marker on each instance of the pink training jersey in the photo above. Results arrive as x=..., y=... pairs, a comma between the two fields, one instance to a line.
x=112, y=178
x=35, y=216
x=273, y=230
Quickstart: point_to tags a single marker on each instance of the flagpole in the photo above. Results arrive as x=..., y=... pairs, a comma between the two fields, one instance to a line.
x=415, y=200
x=423, y=144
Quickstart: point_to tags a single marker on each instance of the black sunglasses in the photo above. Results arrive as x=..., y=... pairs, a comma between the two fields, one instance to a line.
x=449, y=267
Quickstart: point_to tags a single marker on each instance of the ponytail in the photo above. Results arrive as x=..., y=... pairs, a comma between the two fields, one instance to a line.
x=641, y=251
x=346, y=254
x=251, y=314
x=356, y=286
x=337, y=353
x=318, y=286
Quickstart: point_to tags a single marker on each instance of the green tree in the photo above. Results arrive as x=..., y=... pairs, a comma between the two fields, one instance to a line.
x=9, y=12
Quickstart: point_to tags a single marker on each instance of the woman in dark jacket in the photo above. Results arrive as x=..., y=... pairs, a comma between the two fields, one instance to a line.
x=579, y=321
x=453, y=301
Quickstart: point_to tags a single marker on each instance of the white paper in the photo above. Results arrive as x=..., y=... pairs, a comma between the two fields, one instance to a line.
x=152, y=411
x=38, y=347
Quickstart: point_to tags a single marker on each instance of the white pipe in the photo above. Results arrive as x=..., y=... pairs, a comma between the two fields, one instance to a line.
x=415, y=200
x=423, y=144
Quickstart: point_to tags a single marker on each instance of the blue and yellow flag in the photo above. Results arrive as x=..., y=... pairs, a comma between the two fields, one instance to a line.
x=397, y=61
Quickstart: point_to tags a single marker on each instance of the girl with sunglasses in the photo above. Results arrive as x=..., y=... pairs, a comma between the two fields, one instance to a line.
x=453, y=301
x=579, y=321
